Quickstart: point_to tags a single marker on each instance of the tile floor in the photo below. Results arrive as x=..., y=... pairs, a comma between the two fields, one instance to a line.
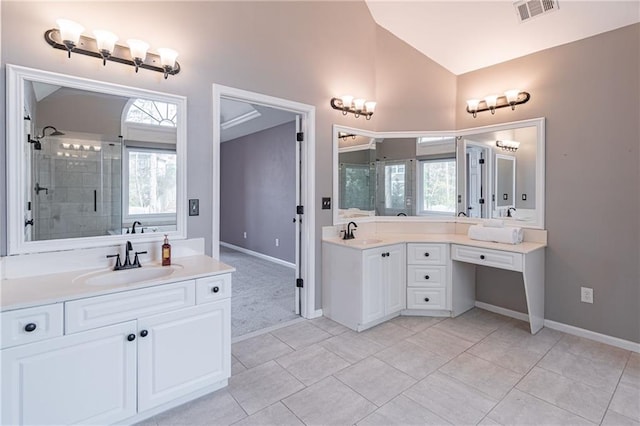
x=479, y=368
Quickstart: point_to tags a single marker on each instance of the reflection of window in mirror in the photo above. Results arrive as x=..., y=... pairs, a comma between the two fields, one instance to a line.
x=394, y=185
x=356, y=187
x=149, y=171
x=437, y=186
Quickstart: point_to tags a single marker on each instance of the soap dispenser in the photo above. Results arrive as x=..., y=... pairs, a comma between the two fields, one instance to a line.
x=166, y=251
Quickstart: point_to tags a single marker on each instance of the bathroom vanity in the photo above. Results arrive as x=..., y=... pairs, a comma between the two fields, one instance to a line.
x=428, y=268
x=78, y=352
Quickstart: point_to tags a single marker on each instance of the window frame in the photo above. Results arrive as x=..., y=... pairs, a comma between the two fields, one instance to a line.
x=420, y=187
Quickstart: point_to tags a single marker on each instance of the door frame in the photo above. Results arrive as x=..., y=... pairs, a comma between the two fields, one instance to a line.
x=307, y=198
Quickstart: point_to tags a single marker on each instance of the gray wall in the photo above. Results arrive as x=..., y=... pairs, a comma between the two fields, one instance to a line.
x=258, y=191
x=589, y=92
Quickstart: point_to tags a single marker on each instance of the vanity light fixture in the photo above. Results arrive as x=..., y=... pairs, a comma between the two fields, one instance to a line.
x=68, y=36
x=344, y=136
x=357, y=107
x=511, y=146
x=510, y=98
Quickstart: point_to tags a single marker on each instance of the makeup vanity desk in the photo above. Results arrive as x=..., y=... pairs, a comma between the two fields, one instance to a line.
x=436, y=271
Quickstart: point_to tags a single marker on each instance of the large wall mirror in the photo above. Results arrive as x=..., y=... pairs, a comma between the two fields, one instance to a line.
x=488, y=172
x=394, y=174
x=90, y=162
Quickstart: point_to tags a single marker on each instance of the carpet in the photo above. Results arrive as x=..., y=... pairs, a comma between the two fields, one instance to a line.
x=263, y=292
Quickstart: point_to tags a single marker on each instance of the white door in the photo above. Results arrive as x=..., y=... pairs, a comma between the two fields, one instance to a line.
x=476, y=188
x=87, y=378
x=373, y=293
x=394, y=265
x=182, y=351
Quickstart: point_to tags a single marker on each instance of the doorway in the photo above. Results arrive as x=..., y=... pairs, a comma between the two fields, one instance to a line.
x=299, y=215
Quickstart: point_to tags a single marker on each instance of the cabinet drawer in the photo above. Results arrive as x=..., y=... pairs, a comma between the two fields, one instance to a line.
x=426, y=276
x=31, y=325
x=488, y=257
x=426, y=298
x=213, y=288
x=92, y=312
x=427, y=254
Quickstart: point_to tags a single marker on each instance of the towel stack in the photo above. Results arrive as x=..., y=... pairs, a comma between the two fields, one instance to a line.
x=495, y=231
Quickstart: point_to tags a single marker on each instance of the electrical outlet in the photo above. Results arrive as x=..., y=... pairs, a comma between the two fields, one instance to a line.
x=586, y=294
x=244, y=235
x=524, y=197
x=277, y=242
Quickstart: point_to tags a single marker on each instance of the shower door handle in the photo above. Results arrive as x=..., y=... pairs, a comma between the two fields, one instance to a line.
x=28, y=222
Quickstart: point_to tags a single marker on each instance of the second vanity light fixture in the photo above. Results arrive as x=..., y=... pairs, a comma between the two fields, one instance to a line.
x=511, y=146
x=510, y=98
x=68, y=36
x=357, y=107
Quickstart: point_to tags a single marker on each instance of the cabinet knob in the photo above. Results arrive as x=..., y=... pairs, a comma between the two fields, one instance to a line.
x=384, y=254
x=30, y=327
x=215, y=289
x=388, y=254
x=144, y=333
x=131, y=337
x=426, y=254
x=426, y=277
x=426, y=299
x=482, y=256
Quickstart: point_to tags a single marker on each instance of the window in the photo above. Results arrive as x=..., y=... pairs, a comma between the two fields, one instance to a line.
x=154, y=113
x=394, y=186
x=150, y=193
x=437, y=186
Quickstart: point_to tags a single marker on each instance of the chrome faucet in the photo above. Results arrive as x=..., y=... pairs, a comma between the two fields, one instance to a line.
x=348, y=234
x=509, y=211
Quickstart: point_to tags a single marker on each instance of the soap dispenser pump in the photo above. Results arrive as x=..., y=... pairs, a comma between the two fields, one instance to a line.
x=166, y=251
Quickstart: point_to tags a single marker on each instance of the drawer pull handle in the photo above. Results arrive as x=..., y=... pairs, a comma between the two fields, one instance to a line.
x=30, y=327
x=386, y=254
x=215, y=289
x=482, y=256
x=144, y=333
x=426, y=254
x=426, y=277
x=131, y=337
x=426, y=299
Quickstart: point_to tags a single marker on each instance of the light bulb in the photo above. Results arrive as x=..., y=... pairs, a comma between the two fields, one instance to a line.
x=70, y=32
x=167, y=59
x=346, y=101
x=106, y=41
x=472, y=104
x=370, y=106
x=358, y=104
x=138, y=50
x=491, y=101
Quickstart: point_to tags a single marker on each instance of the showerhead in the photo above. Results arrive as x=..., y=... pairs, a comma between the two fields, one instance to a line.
x=54, y=133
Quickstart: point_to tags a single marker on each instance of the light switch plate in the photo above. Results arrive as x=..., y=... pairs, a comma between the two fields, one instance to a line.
x=326, y=203
x=194, y=207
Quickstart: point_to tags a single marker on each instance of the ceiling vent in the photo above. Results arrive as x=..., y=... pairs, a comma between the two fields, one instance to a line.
x=529, y=9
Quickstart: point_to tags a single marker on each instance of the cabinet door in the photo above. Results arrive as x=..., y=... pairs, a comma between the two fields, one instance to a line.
x=394, y=265
x=87, y=378
x=183, y=351
x=373, y=291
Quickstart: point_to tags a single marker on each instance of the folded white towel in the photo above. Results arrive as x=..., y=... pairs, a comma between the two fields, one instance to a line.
x=493, y=223
x=507, y=234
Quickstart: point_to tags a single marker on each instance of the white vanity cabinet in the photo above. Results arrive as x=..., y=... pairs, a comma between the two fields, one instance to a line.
x=428, y=277
x=362, y=288
x=122, y=354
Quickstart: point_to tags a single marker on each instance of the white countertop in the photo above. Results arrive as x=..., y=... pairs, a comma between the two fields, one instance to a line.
x=388, y=239
x=54, y=288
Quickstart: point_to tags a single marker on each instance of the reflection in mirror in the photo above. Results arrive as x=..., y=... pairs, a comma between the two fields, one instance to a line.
x=384, y=174
x=101, y=161
x=493, y=182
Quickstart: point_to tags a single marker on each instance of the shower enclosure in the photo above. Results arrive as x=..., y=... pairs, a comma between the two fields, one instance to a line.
x=76, y=186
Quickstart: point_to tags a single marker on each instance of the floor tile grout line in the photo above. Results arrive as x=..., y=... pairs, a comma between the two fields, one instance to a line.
x=613, y=394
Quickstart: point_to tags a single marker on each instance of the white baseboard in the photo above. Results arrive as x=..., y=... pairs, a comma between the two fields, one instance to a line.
x=265, y=330
x=315, y=314
x=260, y=255
x=565, y=328
x=503, y=311
x=592, y=335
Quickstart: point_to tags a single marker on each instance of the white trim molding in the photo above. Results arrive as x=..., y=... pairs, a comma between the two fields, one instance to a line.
x=308, y=226
x=565, y=328
x=259, y=255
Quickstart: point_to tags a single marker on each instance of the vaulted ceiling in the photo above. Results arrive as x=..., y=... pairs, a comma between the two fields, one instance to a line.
x=464, y=36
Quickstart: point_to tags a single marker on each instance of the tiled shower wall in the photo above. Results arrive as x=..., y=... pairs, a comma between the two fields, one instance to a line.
x=74, y=178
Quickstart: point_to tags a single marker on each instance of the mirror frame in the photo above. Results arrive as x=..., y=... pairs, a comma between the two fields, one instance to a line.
x=538, y=123
x=16, y=150
x=382, y=135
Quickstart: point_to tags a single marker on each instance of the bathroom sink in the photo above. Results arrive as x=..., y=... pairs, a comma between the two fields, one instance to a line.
x=128, y=276
x=366, y=241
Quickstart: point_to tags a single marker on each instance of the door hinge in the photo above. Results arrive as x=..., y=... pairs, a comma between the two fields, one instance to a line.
x=299, y=282
x=299, y=209
x=481, y=201
x=481, y=161
x=300, y=136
